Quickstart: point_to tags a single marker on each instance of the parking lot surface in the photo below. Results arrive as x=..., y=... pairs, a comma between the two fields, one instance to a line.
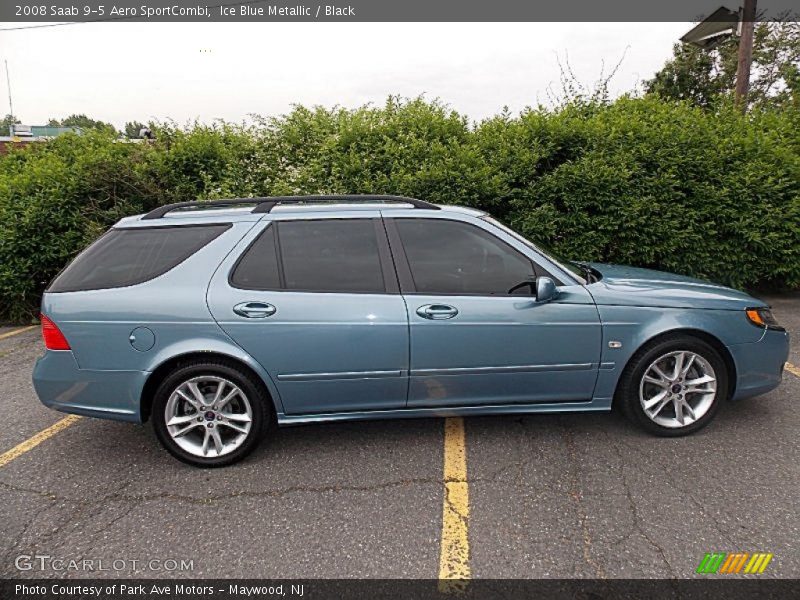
x=581, y=495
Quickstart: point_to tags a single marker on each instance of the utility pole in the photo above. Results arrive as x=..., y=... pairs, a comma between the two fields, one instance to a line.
x=747, y=26
x=8, y=81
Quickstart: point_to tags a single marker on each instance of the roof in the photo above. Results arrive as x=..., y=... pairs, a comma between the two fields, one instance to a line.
x=706, y=34
x=254, y=209
x=50, y=131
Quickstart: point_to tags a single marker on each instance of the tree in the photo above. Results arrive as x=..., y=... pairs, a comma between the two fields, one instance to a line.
x=703, y=77
x=6, y=123
x=132, y=129
x=83, y=122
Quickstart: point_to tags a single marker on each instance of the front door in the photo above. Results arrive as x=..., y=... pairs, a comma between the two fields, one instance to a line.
x=316, y=303
x=473, y=342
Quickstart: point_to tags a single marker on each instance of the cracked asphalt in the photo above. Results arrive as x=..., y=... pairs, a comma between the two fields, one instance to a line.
x=549, y=495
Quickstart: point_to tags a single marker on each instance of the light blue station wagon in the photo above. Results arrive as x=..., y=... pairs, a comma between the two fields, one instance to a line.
x=218, y=319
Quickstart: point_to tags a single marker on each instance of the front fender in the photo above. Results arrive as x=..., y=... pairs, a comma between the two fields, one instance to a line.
x=630, y=328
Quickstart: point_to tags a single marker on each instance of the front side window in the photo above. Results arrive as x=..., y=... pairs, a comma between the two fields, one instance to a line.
x=562, y=262
x=451, y=257
x=124, y=257
x=323, y=255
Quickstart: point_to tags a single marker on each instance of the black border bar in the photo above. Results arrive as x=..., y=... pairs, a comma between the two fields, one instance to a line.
x=705, y=588
x=31, y=13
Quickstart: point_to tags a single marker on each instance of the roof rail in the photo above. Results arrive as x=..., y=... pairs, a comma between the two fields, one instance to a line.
x=266, y=204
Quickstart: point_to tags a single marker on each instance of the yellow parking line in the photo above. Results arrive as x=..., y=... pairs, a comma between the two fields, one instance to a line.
x=454, y=558
x=37, y=439
x=792, y=369
x=16, y=331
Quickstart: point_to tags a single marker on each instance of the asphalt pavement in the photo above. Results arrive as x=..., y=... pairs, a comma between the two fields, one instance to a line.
x=581, y=495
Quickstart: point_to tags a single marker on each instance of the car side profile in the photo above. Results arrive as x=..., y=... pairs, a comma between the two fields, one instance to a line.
x=218, y=319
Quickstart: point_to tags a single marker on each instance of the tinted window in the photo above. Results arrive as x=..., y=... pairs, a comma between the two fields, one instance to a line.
x=561, y=261
x=258, y=268
x=448, y=257
x=331, y=255
x=129, y=256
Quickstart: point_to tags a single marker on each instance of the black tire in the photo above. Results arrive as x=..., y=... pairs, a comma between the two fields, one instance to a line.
x=260, y=405
x=627, y=396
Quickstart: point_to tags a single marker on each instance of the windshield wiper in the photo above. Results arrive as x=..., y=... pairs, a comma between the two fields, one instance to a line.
x=588, y=272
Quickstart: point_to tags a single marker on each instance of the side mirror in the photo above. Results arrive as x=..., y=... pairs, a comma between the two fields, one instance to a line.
x=546, y=289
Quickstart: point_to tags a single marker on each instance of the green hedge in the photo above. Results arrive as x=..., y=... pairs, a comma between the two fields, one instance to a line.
x=639, y=181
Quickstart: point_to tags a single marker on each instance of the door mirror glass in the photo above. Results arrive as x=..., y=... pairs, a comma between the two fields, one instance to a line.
x=546, y=289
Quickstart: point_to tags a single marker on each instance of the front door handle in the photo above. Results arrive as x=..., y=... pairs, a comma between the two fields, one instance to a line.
x=437, y=312
x=254, y=310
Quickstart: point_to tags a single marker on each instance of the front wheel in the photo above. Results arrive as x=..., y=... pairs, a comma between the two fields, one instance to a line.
x=209, y=414
x=674, y=386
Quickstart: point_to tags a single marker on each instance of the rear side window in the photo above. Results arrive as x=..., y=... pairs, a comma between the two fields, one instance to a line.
x=124, y=257
x=331, y=255
x=324, y=255
x=258, y=267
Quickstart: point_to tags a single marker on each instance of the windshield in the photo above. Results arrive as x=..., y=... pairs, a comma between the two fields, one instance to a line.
x=566, y=264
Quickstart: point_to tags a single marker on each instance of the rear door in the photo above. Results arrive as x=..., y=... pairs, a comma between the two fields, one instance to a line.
x=317, y=303
x=473, y=342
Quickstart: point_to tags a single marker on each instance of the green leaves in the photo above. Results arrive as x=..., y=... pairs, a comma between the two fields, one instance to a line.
x=639, y=181
x=706, y=78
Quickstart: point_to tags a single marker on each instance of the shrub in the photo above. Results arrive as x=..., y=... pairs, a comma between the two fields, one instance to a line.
x=671, y=187
x=638, y=181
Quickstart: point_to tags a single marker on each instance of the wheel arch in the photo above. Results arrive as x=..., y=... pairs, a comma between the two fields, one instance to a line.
x=168, y=365
x=711, y=340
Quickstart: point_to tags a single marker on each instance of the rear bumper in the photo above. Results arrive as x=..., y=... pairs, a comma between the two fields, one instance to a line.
x=759, y=366
x=61, y=385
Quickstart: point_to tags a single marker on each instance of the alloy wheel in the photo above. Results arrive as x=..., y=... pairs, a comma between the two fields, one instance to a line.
x=677, y=389
x=208, y=416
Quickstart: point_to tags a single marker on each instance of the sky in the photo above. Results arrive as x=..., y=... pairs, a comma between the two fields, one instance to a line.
x=120, y=72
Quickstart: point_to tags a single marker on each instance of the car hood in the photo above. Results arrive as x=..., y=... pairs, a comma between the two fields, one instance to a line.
x=632, y=286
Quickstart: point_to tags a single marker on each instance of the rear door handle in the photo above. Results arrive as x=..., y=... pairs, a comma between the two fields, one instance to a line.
x=437, y=312
x=254, y=310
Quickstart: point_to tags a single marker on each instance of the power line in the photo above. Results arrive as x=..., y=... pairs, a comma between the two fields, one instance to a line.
x=46, y=25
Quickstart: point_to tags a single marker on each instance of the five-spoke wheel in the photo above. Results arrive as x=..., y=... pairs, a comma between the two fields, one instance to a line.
x=673, y=386
x=678, y=388
x=209, y=414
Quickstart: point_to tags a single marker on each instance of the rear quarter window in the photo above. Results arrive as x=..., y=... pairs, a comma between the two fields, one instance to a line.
x=124, y=257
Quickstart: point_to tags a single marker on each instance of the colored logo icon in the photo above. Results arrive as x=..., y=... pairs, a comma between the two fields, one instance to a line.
x=736, y=562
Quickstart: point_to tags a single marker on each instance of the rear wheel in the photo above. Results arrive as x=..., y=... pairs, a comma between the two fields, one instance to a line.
x=209, y=414
x=674, y=386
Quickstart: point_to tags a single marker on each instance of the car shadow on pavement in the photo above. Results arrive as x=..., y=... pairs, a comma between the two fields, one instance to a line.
x=119, y=443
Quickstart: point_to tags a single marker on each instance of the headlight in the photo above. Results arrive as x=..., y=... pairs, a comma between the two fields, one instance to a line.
x=762, y=317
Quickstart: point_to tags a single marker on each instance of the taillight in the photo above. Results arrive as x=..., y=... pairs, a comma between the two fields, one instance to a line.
x=53, y=338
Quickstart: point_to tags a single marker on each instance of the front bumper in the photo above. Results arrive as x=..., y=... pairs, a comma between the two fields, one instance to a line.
x=759, y=366
x=61, y=385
